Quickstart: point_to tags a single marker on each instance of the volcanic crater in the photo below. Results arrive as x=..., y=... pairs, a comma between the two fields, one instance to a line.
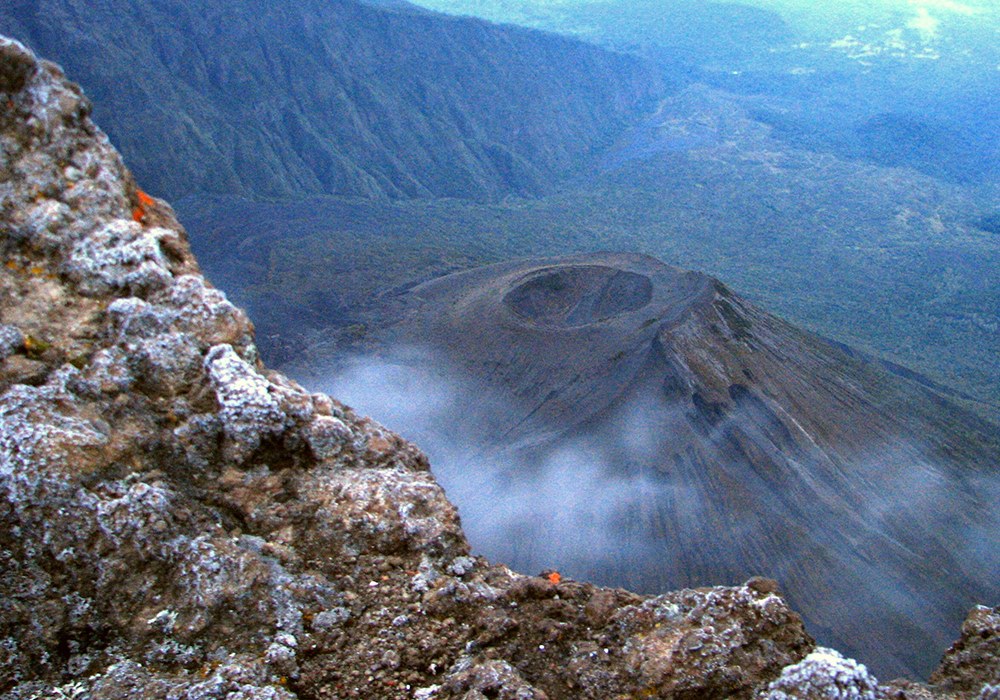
x=578, y=295
x=719, y=442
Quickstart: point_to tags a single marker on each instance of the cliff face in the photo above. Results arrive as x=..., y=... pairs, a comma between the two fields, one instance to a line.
x=270, y=99
x=177, y=521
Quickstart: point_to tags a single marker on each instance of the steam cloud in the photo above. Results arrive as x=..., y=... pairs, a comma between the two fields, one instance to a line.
x=576, y=502
x=533, y=509
x=594, y=505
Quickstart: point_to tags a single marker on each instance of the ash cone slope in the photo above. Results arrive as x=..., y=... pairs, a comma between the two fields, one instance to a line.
x=559, y=338
x=666, y=432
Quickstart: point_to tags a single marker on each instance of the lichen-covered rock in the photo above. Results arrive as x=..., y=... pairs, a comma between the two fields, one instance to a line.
x=44, y=436
x=223, y=679
x=720, y=640
x=902, y=689
x=17, y=66
x=120, y=255
x=490, y=679
x=825, y=675
x=11, y=341
x=178, y=522
x=248, y=410
x=971, y=666
x=329, y=438
x=126, y=560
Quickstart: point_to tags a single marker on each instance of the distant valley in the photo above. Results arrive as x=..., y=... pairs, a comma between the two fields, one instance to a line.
x=371, y=179
x=895, y=82
x=889, y=260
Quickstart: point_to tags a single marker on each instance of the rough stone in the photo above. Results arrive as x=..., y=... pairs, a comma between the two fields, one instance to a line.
x=825, y=675
x=973, y=662
x=249, y=411
x=490, y=679
x=11, y=341
x=16, y=66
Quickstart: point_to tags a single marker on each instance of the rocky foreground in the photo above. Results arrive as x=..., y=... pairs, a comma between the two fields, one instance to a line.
x=179, y=522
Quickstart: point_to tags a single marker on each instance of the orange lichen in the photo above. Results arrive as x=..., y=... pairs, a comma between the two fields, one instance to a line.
x=34, y=347
x=554, y=577
x=139, y=212
x=144, y=199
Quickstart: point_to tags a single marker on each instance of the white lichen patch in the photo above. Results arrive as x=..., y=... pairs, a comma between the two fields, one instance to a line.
x=166, y=364
x=249, y=411
x=390, y=509
x=216, y=576
x=328, y=437
x=132, y=317
x=825, y=675
x=206, y=313
x=11, y=340
x=119, y=256
x=141, y=508
x=38, y=440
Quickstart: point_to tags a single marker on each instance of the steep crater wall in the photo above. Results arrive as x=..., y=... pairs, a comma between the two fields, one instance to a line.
x=579, y=295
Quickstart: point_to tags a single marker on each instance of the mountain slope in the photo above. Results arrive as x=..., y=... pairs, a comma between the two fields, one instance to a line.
x=178, y=521
x=643, y=426
x=269, y=98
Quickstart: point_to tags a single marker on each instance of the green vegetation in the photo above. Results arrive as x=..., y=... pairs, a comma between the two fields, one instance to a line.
x=891, y=268
x=377, y=148
x=292, y=99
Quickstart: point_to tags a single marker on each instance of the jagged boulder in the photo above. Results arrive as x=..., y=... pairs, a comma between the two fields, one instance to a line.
x=972, y=665
x=178, y=522
x=144, y=456
x=825, y=675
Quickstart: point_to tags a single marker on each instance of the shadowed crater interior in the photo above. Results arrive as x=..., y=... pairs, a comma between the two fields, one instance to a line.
x=576, y=295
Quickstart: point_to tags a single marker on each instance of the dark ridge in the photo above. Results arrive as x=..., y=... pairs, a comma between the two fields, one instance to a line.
x=274, y=99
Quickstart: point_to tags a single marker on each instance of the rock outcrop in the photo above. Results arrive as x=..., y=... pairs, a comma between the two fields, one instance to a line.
x=972, y=664
x=178, y=522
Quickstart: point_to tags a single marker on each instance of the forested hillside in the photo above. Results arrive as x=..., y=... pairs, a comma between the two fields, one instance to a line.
x=269, y=99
